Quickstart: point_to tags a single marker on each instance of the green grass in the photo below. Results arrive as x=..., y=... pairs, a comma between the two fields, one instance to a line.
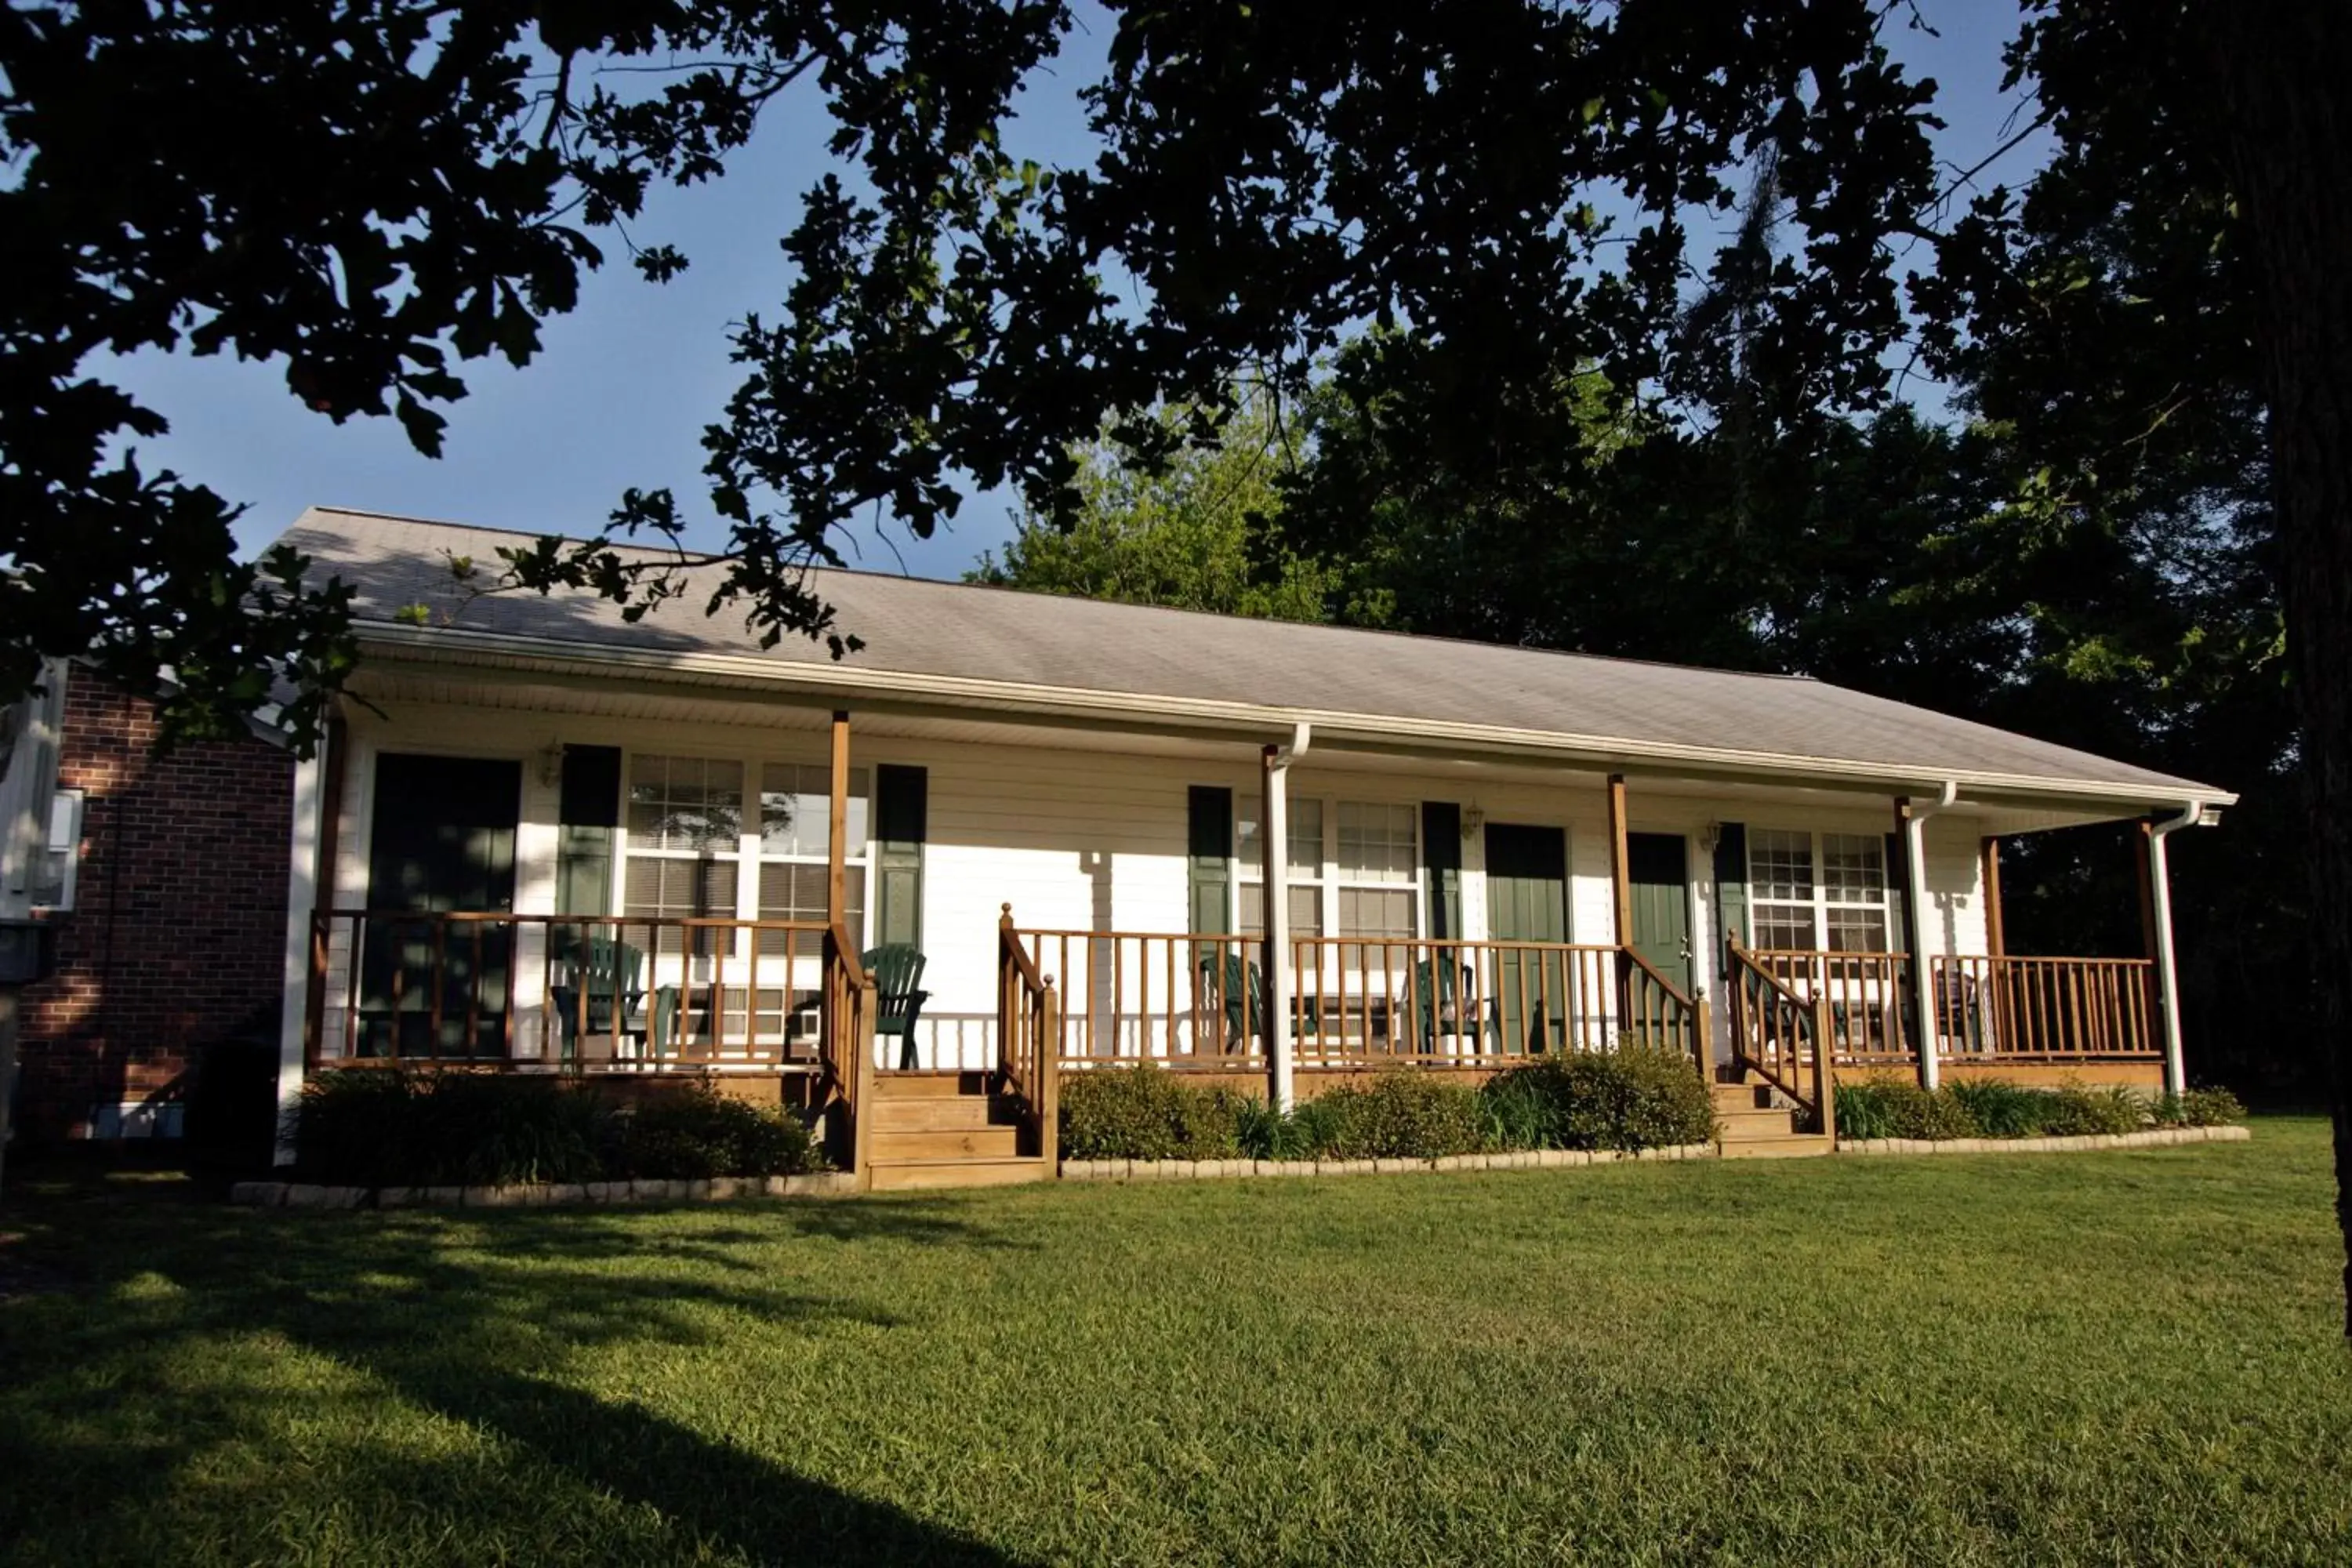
x=2116, y=1358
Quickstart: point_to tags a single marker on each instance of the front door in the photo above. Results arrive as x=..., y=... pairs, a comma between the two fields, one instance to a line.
x=1527, y=900
x=1658, y=867
x=444, y=839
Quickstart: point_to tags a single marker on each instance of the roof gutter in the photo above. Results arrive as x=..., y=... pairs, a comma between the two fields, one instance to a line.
x=1243, y=719
x=2167, y=970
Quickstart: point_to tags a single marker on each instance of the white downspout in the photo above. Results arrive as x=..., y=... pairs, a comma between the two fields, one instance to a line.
x=1274, y=847
x=1915, y=898
x=2168, y=978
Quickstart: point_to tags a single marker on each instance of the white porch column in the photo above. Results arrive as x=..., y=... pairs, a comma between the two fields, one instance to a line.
x=1913, y=815
x=1273, y=849
x=2168, y=977
x=303, y=882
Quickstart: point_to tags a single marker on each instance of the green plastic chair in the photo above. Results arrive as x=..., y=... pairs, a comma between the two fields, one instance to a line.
x=898, y=971
x=1437, y=1005
x=607, y=973
x=1244, y=993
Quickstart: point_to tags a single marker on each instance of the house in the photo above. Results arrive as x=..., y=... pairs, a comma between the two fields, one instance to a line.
x=541, y=838
x=162, y=876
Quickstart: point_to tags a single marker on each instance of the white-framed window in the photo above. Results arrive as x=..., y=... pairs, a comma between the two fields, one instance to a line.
x=729, y=839
x=1355, y=868
x=1819, y=891
x=52, y=882
x=795, y=840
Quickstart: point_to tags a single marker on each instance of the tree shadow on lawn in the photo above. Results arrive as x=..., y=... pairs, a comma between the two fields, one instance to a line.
x=476, y=1322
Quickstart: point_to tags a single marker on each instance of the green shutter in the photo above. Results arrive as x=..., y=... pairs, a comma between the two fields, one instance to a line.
x=1212, y=860
x=588, y=810
x=1441, y=856
x=1730, y=891
x=901, y=826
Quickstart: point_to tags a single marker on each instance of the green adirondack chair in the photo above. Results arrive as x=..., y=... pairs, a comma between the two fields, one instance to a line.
x=604, y=975
x=898, y=971
x=1244, y=993
x=1439, y=1005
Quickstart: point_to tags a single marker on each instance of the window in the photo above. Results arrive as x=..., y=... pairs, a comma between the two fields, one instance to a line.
x=1305, y=870
x=1361, y=880
x=52, y=882
x=1377, y=869
x=1825, y=891
x=795, y=837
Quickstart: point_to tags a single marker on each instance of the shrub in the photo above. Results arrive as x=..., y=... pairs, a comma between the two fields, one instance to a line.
x=1399, y=1115
x=2076, y=1111
x=231, y=1124
x=389, y=1127
x=2002, y=1109
x=700, y=1133
x=1891, y=1108
x=1146, y=1113
x=1632, y=1097
x=2211, y=1108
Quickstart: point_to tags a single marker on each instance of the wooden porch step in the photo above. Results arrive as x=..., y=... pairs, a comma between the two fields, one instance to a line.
x=941, y=1113
x=1787, y=1146
x=945, y=1144
x=930, y=1085
x=1754, y=1126
x=911, y=1176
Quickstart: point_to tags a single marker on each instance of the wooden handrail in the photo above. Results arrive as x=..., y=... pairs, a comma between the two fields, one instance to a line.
x=1668, y=986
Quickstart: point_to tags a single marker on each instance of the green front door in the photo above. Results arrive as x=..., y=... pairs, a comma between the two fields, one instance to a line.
x=1527, y=900
x=444, y=839
x=1657, y=866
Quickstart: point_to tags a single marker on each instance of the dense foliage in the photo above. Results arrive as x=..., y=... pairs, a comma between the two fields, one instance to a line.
x=394, y=1128
x=1991, y=1108
x=1627, y=1099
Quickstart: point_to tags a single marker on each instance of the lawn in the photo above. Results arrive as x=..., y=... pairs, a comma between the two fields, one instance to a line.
x=2118, y=1358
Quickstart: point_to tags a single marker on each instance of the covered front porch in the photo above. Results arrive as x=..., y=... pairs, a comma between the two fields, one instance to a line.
x=846, y=905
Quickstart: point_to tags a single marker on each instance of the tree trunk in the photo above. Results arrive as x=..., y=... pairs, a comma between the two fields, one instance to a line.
x=2285, y=85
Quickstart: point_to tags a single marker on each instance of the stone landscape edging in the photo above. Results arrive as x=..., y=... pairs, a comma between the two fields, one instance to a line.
x=2154, y=1138
x=716, y=1189
x=1522, y=1160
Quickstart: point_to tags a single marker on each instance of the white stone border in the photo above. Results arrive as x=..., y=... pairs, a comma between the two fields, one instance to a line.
x=1208, y=1169
x=718, y=1189
x=2155, y=1137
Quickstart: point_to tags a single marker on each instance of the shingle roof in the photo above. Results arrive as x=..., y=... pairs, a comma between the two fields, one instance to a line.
x=919, y=627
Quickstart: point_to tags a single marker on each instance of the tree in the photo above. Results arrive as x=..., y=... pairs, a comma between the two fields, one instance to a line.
x=1199, y=533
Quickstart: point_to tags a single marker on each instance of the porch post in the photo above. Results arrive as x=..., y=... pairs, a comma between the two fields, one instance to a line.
x=836, y=875
x=1273, y=853
x=1912, y=827
x=2156, y=868
x=1621, y=886
x=310, y=856
x=1996, y=941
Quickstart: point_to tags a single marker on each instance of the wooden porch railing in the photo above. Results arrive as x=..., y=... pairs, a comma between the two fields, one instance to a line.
x=578, y=992
x=1180, y=999
x=2045, y=1009
x=1778, y=1033
x=1869, y=997
x=1198, y=1000
x=849, y=1010
x=1029, y=1037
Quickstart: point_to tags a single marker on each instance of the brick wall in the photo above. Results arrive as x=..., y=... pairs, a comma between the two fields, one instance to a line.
x=178, y=931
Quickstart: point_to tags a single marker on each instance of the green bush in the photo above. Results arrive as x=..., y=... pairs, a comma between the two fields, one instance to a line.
x=1147, y=1113
x=2211, y=1108
x=1999, y=1108
x=1399, y=1115
x=1892, y=1108
x=1632, y=1097
x=700, y=1133
x=393, y=1128
x=2076, y=1111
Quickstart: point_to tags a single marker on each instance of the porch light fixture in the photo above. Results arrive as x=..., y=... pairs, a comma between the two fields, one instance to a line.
x=1473, y=819
x=551, y=764
x=1710, y=838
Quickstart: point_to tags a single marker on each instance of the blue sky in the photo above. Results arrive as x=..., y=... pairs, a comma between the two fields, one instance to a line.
x=624, y=385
